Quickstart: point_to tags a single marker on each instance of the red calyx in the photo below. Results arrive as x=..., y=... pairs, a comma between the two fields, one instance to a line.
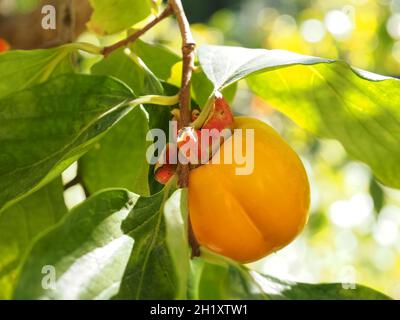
x=190, y=139
x=220, y=117
x=165, y=173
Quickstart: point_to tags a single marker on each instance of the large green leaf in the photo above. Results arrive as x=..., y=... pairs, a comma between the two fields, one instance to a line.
x=229, y=280
x=123, y=150
x=85, y=255
x=21, y=69
x=142, y=80
x=202, y=89
x=225, y=65
x=114, y=16
x=131, y=70
x=21, y=224
x=176, y=239
x=47, y=127
x=328, y=98
x=158, y=267
x=114, y=242
x=119, y=159
x=158, y=58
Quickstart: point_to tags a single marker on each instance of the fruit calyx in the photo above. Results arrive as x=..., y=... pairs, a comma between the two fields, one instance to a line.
x=206, y=140
x=221, y=116
x=196, y=146
x=166, y=166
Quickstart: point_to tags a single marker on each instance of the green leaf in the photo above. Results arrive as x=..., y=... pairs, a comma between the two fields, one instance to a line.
x=229, y=280
x=88, y=252
x=195, y=277
x=119, y=159
x=22, y=69
x=46, y=128
x=223, y=282
x=332, y=100
x=114, y=242
x=21, y=224
x=175, y=215
x=167, y=66
x=202, y=89
x=225, y=65
x=98, y=162
x=158, y=58
x=158, y=267
x=114, y=16
x=377, y=194
x=159, y=116
x=320, y=291
x=131, y=70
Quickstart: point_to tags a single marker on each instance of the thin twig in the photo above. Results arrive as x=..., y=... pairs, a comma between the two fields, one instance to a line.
x=134, y=36
x=188, y=46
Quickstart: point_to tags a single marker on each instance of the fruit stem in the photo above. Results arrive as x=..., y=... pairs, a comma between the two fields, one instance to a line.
x=188, y=47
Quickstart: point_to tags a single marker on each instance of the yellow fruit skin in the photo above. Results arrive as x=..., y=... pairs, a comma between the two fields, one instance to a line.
x=246, y=217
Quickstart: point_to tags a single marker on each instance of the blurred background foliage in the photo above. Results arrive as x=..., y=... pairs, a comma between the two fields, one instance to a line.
x=353, y=234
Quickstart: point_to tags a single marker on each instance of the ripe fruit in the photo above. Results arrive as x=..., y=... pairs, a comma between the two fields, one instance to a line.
x=246, y=217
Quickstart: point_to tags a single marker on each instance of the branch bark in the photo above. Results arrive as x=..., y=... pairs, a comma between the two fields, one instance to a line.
x=188, y=47
x=137, y=34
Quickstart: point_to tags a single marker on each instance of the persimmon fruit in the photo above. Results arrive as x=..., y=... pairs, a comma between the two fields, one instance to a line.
x=246, y=217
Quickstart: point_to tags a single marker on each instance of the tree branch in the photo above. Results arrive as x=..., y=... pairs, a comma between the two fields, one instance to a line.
x=188, y=46
x=107, y=50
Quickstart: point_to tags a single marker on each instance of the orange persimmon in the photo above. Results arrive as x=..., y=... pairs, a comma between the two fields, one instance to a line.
x=246, y=217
